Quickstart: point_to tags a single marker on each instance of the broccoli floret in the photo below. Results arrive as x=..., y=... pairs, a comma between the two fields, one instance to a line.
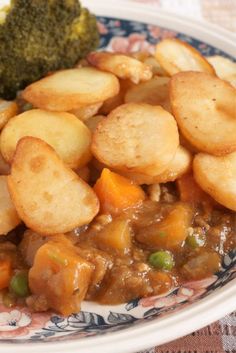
x=40, y=36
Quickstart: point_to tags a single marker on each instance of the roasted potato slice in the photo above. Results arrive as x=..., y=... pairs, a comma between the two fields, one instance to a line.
x=205, y=109
x=123, y=66
x=224, y=67
x=8, y=109
x=155, y=66
x=69, y=89
x=154, y=92
x=175, y=56
x=114, y=102
x=180, y=164
x=216, y=176
x=185, y=143
x=136, y=137
x=9, y=218
x=84, y=112
x=63, y=131
x=140, y=55
x=49, y=197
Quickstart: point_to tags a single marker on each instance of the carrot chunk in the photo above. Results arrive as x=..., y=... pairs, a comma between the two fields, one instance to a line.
x=116, y=192
x=61, y=276
x=5, y=273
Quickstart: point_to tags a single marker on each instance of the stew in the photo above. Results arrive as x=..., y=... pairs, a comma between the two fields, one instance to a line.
x=143, y=249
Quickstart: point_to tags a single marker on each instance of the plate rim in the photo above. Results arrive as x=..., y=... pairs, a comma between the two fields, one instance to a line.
x=202, y=312
x=218, y=37
x=131, y=339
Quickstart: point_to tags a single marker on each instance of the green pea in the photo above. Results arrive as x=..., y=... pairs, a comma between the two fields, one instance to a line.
x=162, y=260
x=195, y=240
x=19, y=284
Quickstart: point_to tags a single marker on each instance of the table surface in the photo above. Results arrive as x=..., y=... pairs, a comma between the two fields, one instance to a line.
x=219, y=337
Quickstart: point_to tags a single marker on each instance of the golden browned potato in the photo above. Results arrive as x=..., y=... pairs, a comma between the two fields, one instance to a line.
x=156, y=67
x=224, y=67
x=69, y=89
x=151, y=61
x=204, y=107
x=185, y=143
x=9, y=218
x=8, y=109
x=114, y=102
x=180, y=164
x=136, y=137
x=49, y=197
x=216, y=176
x=93, y=122
x=84, y=112
x=139, y=55
x=175, y=56
x=123, y=66
x=154, y=92
x=63, y=131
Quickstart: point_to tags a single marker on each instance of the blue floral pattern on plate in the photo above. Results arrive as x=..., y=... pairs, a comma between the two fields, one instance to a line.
x=22, y=326
x=139, y=35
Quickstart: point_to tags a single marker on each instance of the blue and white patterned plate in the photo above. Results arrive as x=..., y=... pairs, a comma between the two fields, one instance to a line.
x=141, y=322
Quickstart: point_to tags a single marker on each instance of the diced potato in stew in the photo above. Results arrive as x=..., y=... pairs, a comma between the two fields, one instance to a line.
x=170, y=232
x=102, y=262
x=115, y=237
x=202, y=265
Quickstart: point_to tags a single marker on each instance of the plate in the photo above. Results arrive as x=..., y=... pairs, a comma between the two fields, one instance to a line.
x=141, y=323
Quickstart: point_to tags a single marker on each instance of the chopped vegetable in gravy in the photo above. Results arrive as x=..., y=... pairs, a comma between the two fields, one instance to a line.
x=141, y=251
